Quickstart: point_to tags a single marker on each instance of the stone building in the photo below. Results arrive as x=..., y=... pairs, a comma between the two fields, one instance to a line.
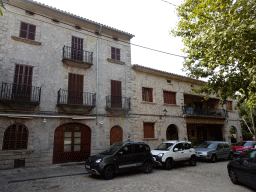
x=65, y=86
x=166, y=108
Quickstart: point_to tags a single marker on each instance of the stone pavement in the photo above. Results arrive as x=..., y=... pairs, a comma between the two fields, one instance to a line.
x=33, y=173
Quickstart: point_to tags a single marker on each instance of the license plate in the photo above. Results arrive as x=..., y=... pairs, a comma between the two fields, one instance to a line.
x=87, y=166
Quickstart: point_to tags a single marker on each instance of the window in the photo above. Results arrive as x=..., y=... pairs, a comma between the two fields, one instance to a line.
x=27, y=31
x=229, y=105
x=139, y=148
x=115, y=53
x=149, y=130
x=169, y=97
x=15, y=137
x=126, y=150
x=147, y=94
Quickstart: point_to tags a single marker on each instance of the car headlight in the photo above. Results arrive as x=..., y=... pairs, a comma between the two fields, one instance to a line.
x=98, y=161
x=160, y=155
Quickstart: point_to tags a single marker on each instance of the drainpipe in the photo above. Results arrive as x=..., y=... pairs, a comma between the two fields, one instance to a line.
x=97, y=75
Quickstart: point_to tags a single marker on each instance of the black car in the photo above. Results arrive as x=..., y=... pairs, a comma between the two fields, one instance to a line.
x=243, y=169
x=121, y=156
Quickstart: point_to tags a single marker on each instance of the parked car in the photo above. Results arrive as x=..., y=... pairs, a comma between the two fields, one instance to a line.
x=243, y=146
x=243, y=169
x=213, y=150
x=121, y=156
x=170, y=152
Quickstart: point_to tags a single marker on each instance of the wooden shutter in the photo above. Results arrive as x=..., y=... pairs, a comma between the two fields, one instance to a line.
x=22, y=82
x=115, y=53
x=32, y=32
x=149, y=130
x=75, y=88
x=27, y=31
x=169, y=97
x=116, y=94
x=77, y=48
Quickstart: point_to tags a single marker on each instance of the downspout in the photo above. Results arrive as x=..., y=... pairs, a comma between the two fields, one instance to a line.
x=97, y=74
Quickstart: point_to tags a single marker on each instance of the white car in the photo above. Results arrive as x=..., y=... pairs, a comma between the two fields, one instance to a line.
x=170, y=152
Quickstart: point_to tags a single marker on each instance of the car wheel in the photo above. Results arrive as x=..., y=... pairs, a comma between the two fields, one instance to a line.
x=213, y=158
x=147, y=167
x=168, y=164
x=192, y=161
x=231, y=156
x=109, y=172
x=233, y=176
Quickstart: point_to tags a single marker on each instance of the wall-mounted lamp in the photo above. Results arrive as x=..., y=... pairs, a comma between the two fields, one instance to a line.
x=164, y=112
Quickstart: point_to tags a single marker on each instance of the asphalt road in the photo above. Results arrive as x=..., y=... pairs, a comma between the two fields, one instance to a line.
x=204, y=177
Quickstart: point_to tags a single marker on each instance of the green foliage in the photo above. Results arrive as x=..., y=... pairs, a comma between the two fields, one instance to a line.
x=2, y=5
x=219, y=37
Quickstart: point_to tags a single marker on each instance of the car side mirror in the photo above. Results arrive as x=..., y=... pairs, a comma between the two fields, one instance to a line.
x=175, y=149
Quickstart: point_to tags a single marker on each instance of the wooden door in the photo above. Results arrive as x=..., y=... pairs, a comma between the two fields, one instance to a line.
x=116, y=135
x=116, y=94
x=77, y=48
x=75, y=88
x=72, y=142
x=22, y=83
x=172, y=133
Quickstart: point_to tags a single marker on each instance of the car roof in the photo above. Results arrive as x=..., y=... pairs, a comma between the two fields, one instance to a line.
x=217, y=141
x=130, y=142
x=175, y=141
x=247, y=141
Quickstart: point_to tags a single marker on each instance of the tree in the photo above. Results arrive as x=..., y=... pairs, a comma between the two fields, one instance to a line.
x=248, y=115
x=1, y=5
x=219, y=39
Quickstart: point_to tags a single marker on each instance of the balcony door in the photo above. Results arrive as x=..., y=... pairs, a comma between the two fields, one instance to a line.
x=75, y=88
x=116, y=94
x=77, y=48
x=22, y=83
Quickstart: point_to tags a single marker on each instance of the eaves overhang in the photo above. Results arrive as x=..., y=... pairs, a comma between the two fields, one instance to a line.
x=167, y=74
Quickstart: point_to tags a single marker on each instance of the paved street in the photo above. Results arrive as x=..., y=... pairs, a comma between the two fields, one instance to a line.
x=203, y=177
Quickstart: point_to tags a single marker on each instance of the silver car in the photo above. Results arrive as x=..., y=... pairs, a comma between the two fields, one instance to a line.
x=213, y=150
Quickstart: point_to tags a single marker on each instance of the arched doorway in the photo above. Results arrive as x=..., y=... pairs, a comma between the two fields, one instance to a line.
x=116, y=134
x=233, y=131
x=72, y=142
x=172, y=133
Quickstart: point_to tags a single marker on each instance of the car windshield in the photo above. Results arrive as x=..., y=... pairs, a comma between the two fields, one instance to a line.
x=112, y=149
x=246, y=144
x=164, y=146
x=208, y=145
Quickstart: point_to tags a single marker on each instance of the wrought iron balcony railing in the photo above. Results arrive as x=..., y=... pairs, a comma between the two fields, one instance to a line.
x=16, y=92
x=205, y=112
x=78, y=55
x=118, y=102
x=76, y=98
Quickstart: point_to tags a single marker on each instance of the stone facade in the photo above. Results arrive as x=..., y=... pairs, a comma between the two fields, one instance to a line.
x=153, y=112
x=54, y=30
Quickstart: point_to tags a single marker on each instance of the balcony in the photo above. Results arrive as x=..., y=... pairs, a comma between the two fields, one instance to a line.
x=77, y=58
x=73, y=102
x=118, y=106
x=207, y=112
x=17, y=97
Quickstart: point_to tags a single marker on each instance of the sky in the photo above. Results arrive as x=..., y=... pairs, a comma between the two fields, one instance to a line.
x=149, y=20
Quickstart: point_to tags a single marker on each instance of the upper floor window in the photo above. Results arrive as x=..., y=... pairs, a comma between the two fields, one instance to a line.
x=147, y=94
x=229, y=105
x=15, y=137
x=115, y=53
x=27, y=31
x=169, y=97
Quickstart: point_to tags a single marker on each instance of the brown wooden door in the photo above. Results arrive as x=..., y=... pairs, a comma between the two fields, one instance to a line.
x=116, y=94
x=116, y=135
x=77, y=48
x=172, y=133
x=22, y=83
x=75, y=88
x=72, y=142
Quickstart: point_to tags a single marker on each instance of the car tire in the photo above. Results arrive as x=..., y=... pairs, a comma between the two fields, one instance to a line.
x=168, y=164
x=109, y=172
x=213, y=158
x=231, y=156
x=192, y=161
x=233, y=175
x=147, y=167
